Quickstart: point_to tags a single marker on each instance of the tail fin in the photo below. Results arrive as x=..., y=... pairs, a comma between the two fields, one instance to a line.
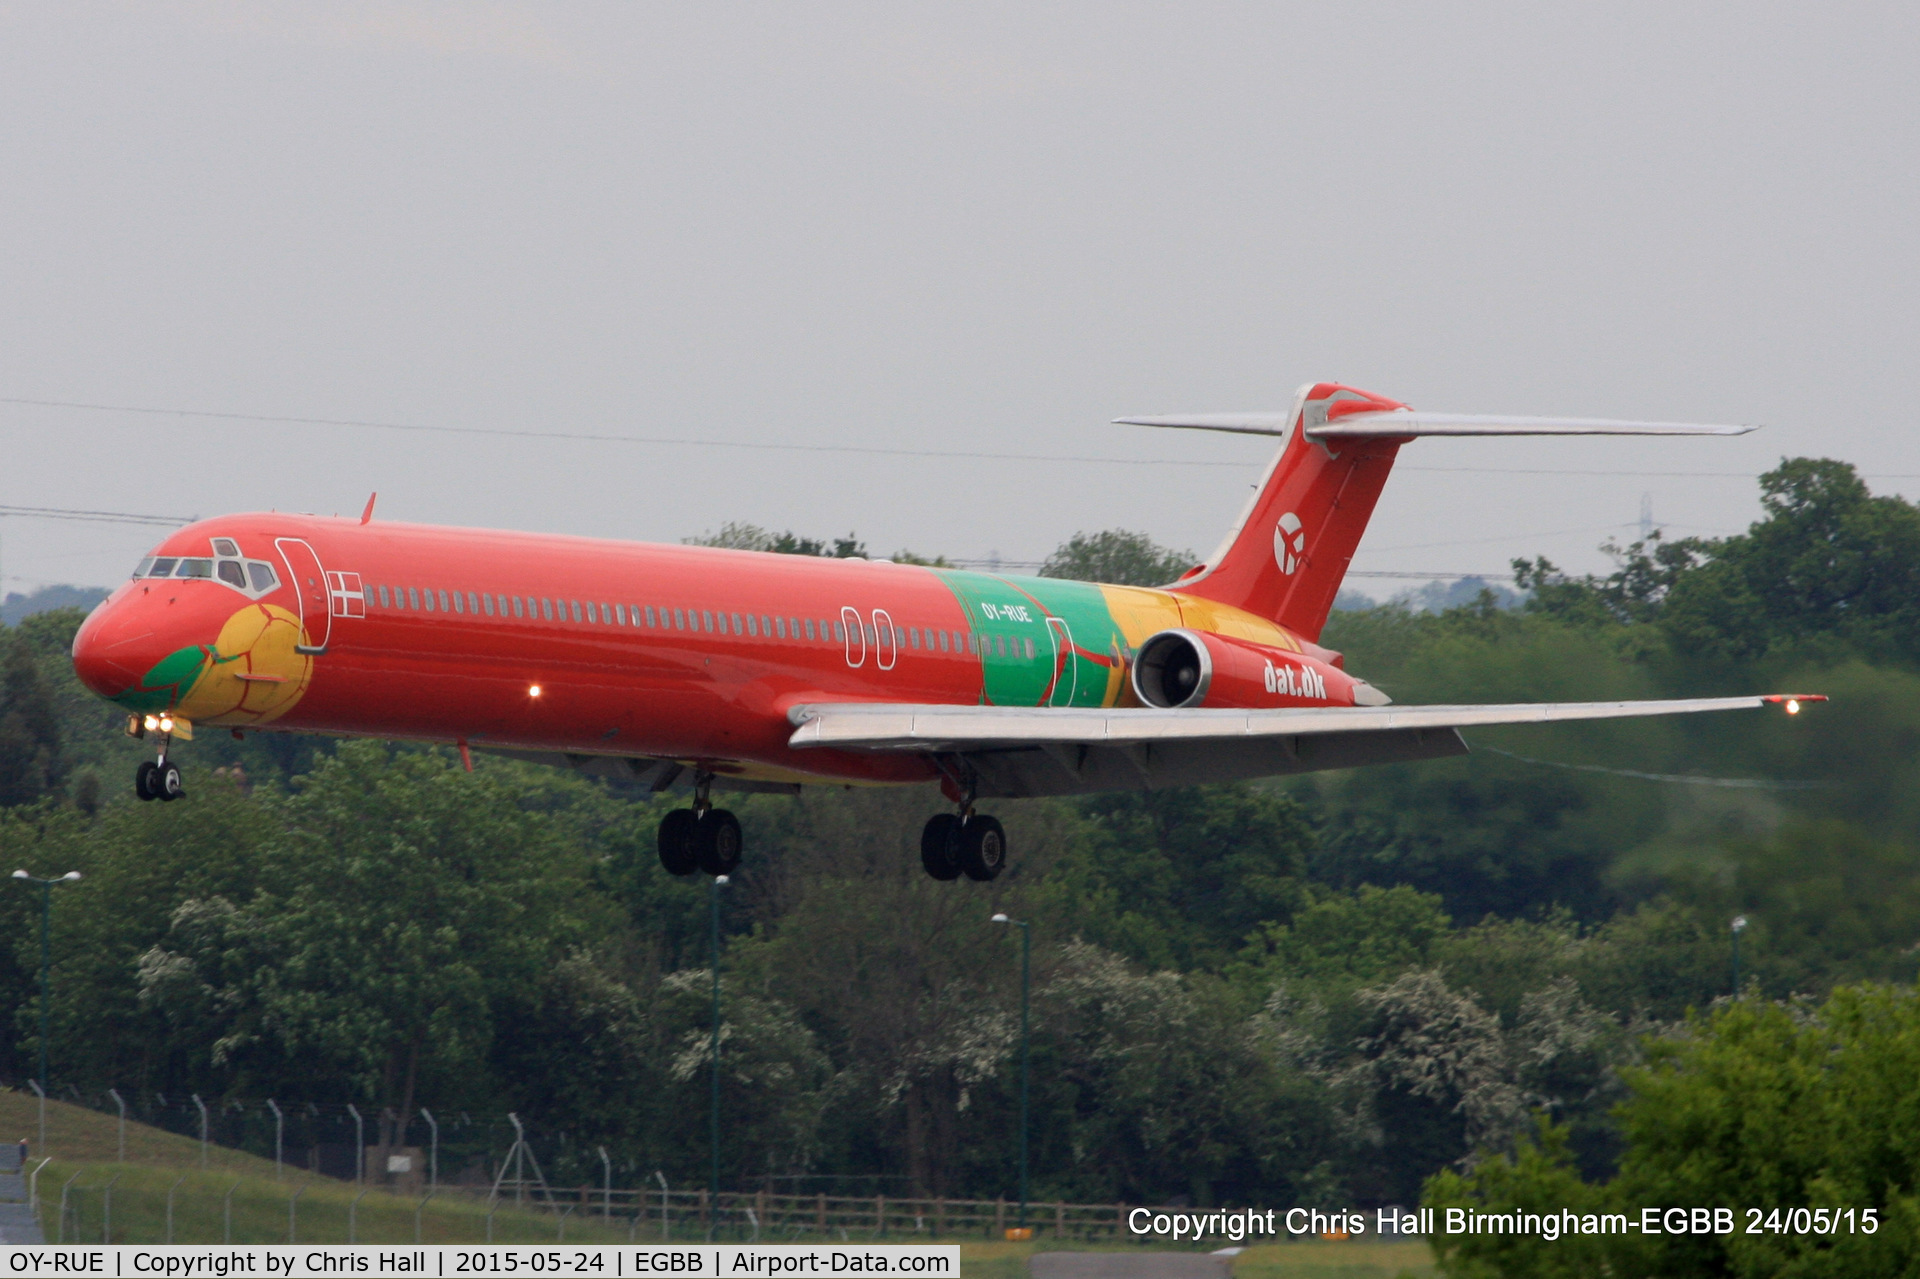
x=1289, y=552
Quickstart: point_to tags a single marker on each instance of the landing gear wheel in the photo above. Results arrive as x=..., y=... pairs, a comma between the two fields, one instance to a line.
x=143, y=779
x=716, y=841
x=165, y=781
x=983, y=848
x=676, y=842
x=940, y=846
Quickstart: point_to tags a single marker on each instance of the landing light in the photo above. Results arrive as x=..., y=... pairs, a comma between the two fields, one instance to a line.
x=533, y=690
x=166, y=723
x=150, y=723
x=1793, y=706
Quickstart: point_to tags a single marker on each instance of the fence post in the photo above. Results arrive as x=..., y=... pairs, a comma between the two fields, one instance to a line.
x=353, y=1216
x=226, y=1212
x=560, y=1231
x=704, y=1217
x=106, y=1210
x=170, y=1189
x=1000, y=1218
x=41, y=1093
x=666, y=1224
x=279, y=1133
x=293, y=1206
x=33, y=1188
x=359, y=1145
x=418, y=1209
x=880, y=1215
x=120, y=1102
x=606, y=1185
x=433, y=1158
x=939, y=1217
x=820, y=1213
x=493, y=1206
x=203, y=1127
x=63, y=1209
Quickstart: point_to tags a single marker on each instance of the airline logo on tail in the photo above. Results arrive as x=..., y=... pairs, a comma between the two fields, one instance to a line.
x=1289, y=543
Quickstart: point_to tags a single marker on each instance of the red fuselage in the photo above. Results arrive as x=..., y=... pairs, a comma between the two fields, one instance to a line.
x=564, y=644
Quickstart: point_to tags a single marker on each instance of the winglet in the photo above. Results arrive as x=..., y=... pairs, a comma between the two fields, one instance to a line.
x=366, y=516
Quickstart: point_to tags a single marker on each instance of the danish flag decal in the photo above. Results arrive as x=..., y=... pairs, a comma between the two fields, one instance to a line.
x=348, y=597
x=1289, y=543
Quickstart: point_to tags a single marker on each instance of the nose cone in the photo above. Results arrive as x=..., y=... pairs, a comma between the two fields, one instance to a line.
x=116, y=647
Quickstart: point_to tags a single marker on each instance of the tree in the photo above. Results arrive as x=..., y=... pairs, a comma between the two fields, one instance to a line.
x=1118, y=557
x=401, y=907
x=29, y=730
x=1767, y=1106
x=741, y=536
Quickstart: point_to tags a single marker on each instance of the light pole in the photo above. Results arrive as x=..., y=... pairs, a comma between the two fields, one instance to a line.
x=46, y=958
x=713, y=1098
x=1026, y=1046
x=1739, y=926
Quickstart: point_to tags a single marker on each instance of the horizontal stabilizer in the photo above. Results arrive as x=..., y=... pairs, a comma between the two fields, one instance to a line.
x=1408, y=423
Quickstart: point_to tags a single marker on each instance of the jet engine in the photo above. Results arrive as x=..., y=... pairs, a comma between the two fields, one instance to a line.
x=1182, y=669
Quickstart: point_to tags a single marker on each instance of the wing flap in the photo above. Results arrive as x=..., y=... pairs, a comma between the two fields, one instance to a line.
x=864, y=726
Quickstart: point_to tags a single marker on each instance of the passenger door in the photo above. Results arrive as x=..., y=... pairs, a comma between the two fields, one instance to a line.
x=309, y=583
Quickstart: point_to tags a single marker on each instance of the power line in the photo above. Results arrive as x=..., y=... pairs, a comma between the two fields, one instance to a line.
x=1684, y=779
x=278, y=419
x=600, y=438
x=102, y=517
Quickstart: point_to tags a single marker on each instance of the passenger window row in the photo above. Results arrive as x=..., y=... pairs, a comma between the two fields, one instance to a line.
x=648, y=617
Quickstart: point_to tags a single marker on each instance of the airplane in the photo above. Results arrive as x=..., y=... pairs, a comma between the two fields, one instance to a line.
x=676, y=666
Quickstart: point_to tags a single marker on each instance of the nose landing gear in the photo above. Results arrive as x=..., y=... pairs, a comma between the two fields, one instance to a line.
x=702, y=837
x=157, y=778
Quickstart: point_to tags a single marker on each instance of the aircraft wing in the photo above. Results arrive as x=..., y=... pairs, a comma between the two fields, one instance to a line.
x=1027, y=750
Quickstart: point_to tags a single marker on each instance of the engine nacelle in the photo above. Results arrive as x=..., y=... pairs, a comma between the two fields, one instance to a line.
x=1183, y=669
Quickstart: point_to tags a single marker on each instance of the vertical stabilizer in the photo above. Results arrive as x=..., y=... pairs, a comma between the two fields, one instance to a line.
x=1287, y=556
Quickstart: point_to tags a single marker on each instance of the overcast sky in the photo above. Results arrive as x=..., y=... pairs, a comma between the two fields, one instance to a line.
x=970, y=229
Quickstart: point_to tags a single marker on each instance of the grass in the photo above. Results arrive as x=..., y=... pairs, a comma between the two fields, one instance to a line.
x=1303, y=1259
x=85, y=1146
x=86, y=1143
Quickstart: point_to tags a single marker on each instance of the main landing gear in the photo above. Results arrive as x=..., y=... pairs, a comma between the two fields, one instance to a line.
x=964, y=843
x=157, y=778
x=702, y=837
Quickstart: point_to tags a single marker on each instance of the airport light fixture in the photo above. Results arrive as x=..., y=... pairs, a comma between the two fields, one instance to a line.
x=46, y=958
x=1738, y=926
x=1026, y=1044
x=713, y=1099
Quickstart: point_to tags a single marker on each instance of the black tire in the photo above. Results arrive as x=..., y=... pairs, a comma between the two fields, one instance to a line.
x=716, y=841
x=940, y=846
x=983, y=848
x=166, y=782
x=143, y=779
x=676, y=842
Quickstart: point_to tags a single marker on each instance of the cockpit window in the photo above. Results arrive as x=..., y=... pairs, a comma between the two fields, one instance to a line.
x=224, y=547
x=162, y=567
x=229, y=572
x=145, y=566
x=262, y=575
x=194, y=568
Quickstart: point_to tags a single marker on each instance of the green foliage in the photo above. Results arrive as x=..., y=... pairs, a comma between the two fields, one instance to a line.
x=1181, y=877
x=739, y=536
x=29, y=731
x=1335, y=940
x=1767, y=1105
x=1118, y=557
x=400, y=904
